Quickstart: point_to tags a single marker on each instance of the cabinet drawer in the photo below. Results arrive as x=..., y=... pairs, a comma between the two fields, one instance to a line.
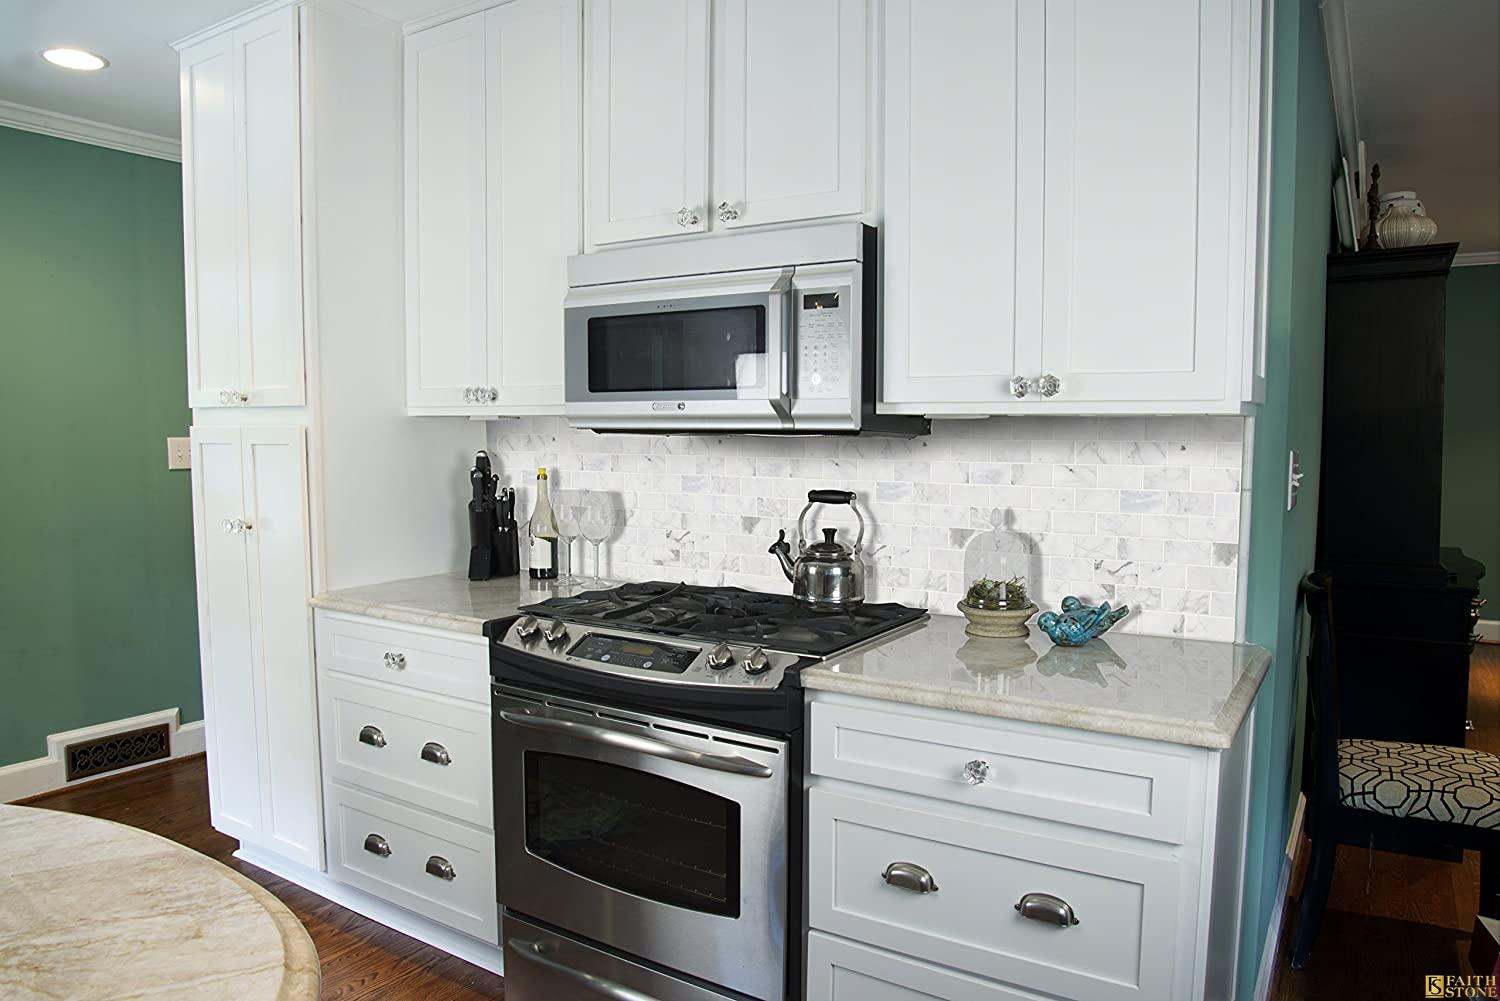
x=1071, y=778
x=431, y=753
x=386, y=849
x=1122, y=947
x=847, y=971
x=425, y=659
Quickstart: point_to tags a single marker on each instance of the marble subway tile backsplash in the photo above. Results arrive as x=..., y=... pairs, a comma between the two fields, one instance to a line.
x=1144, y=511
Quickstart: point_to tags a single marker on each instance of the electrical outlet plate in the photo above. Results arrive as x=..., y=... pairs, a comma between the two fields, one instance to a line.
x=179, y=453
x=1293, y=478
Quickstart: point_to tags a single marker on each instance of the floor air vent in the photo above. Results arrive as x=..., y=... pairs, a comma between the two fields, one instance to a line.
x=119, y=750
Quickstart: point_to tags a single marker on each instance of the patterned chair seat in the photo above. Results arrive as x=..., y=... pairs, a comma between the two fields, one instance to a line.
x=1453, y=785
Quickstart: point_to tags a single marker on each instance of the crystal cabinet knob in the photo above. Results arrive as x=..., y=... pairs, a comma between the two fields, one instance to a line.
x=236, y=526
x=687, y=217
x=233, y=397
x=1049, y=385
x=1019, y=387
x=491, y=394
x=395, y=661
x=976, y=771
x=727, y=212
x=468, y=394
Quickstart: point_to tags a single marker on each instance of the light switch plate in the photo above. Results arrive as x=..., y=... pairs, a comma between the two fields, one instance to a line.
x=179, y=453
x=1293, y=478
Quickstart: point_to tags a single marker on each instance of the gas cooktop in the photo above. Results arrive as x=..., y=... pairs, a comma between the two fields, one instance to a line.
x=727, y=614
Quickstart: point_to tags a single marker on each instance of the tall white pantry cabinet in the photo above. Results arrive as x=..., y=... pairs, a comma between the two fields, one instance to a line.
x=294, y=349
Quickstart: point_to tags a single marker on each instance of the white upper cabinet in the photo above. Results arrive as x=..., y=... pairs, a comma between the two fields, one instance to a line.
x=446, y=353
x=242, y=207
x=647, y=80
x=963, y=134
x=790, y=109
x=492, y=179
x=1065, y=232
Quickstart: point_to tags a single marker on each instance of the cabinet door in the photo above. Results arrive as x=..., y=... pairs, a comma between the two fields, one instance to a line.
x=1138, y=198
x=647, y=87
x=211, y=244
x=275, y=478
x=532, y=121
x=445, y=214
x=268, y=157
x=963, y=128
x=789, y=110
x=230, y=696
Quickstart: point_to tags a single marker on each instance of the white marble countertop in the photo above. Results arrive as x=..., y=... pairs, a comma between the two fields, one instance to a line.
x=443, y=601
x=93, y=909
x=1182, y=691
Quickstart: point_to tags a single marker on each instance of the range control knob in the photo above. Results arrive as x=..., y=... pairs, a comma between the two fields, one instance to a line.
x=720, y=657
x=555, y=632
x=527, y=627
x=757, y=662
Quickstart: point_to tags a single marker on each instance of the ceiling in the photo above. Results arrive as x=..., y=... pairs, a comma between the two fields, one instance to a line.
x=1426, y=96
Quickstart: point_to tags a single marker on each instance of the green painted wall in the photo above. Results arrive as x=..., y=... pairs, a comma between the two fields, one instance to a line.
x=97, y=605
x=1282, y=543
x=1471, y=423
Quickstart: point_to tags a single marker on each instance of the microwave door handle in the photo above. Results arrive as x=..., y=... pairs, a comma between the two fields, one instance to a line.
x=779, y=326
x=738, y=764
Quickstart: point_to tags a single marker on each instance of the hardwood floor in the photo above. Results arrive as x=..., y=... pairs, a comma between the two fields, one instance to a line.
x=1392, y=918
x=361, y=958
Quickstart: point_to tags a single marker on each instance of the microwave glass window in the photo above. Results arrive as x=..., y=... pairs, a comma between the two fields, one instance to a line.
x=646, y=835
x=704, y=349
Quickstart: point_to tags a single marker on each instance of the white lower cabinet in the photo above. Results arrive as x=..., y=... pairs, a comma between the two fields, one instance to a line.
x=405, y=718
x=964, y=857
x=250, y=534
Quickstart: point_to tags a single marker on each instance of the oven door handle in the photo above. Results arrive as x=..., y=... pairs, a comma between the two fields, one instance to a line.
x=532, y=953
x=738, y=764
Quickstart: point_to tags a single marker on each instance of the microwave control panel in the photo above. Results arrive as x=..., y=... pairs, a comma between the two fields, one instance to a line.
x=823, y=349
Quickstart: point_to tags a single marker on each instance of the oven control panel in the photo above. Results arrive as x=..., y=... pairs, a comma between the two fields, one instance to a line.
x=823, y=348
x=642, y=655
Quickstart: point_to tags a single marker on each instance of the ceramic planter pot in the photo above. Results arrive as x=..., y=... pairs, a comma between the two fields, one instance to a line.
x=997, y=623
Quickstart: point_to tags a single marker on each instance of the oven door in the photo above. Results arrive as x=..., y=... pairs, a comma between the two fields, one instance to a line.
x=709, y=352
x=664, y=839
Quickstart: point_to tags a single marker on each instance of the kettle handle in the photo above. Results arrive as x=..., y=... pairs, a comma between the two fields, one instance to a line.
x=816, y=497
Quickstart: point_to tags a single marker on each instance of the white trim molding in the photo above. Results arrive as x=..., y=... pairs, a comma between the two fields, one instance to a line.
x=1488, y=630
x=243, y=17
x=84, y=130
x=1478, y=258
x=1265, y=977
x=32, y=778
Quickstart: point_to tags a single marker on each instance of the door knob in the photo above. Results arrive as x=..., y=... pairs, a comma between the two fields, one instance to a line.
x=976, y=771
x=1049, y=385
x=1019, y=387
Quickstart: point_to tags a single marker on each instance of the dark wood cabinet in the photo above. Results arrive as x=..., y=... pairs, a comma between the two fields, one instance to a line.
x=1402, y=622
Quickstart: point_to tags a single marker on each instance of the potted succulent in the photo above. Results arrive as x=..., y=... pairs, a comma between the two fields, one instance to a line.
x=997, y=608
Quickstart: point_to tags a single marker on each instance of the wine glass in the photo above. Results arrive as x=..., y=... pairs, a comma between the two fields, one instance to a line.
x=565, y=515
x=597, y=520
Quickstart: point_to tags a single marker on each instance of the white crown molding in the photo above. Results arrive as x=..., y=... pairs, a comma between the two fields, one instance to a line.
x=25, y=779
x=1477, y=259
x=52, y=123
x=243, y=17
x=458, y=10
x=1341, y=77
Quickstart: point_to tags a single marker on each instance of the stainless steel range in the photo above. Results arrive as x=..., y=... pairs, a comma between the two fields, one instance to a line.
x=648, y=769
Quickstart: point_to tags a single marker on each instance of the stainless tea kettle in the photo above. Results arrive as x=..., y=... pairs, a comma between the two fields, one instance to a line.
x=827, y=576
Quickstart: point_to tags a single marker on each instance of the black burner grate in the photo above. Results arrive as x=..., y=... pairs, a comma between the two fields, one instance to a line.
x=728, y=613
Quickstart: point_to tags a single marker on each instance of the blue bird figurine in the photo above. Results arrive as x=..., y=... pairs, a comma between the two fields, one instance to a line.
x=1078, y=623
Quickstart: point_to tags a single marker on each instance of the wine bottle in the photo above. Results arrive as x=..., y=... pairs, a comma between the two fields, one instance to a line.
x=543, y=531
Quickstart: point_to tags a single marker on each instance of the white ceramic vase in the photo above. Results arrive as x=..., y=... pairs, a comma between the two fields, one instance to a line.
x=1404, y=222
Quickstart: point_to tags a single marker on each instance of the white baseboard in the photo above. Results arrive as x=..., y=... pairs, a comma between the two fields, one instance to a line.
x=484, y=955
x=1266, y=974
x=1488, y=630
x=32, y=778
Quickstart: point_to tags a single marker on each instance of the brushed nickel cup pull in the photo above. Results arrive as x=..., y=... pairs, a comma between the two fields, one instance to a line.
x=371, y=735
x=1046, y=907
x=436, y=753
x=376, y=845
x=909, y=876
x=440, y=867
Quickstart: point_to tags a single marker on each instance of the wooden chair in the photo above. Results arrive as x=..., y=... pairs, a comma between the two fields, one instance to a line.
x=1425, y=796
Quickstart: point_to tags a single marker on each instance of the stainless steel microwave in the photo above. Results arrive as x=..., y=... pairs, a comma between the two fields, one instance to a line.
x=751, y=332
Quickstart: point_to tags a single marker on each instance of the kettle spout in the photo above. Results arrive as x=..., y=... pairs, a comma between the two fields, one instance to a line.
x=782, y=550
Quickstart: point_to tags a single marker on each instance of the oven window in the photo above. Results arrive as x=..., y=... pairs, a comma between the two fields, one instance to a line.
x=721, y=349
x=648, y=836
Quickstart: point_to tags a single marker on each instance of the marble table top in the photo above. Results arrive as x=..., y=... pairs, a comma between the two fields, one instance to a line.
x=93, y=909
x=443, y=601
x=1181, y=691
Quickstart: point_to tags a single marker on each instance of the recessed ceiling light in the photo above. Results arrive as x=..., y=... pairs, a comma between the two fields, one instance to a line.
x=75, y=59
